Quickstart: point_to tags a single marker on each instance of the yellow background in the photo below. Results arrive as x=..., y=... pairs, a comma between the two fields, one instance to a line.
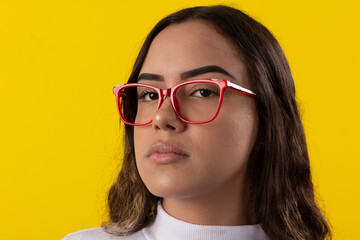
x=59, y=131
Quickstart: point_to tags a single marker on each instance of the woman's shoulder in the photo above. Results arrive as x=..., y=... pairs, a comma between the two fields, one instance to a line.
x=100, y=234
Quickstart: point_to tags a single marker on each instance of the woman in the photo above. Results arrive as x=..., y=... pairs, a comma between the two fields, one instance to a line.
x=214, y=145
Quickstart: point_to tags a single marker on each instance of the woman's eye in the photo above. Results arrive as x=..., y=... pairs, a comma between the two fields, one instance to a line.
x=203, y=93
x=148, y=96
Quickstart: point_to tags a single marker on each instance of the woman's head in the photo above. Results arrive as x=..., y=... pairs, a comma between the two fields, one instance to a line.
x=217, y=152
x=257, y=139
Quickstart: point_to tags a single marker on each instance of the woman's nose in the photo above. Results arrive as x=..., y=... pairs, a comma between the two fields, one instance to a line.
x=165, y=118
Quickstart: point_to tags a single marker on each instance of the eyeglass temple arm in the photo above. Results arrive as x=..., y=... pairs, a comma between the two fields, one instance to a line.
x=239, y=88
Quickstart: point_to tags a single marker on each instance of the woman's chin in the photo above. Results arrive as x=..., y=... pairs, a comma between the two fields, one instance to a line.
x=168, y=191
x=175, y=190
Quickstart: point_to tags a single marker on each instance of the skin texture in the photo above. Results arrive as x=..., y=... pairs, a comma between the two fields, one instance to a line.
x=211, y=186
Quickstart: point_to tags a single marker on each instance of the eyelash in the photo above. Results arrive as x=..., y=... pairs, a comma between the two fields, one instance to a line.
x=206, y=89
x=143, y=93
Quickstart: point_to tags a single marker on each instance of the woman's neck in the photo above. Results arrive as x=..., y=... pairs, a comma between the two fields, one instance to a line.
x=229, y=205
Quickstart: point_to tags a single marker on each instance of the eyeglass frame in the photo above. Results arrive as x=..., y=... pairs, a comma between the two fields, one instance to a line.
x=170, y=92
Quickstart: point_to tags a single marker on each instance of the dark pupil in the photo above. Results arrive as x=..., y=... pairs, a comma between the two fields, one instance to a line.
x=153, y=95
x=205, y=93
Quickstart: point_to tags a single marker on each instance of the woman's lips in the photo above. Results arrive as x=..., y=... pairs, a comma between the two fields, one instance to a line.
x=163, y=152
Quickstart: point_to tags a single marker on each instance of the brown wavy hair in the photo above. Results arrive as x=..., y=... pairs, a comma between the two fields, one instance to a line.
x=279, y=165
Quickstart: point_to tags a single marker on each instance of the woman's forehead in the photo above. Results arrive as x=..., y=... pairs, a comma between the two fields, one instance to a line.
x=189, y=45
x=193, y=38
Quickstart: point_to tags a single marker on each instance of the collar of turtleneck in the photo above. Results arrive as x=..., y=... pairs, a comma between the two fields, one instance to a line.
x=166, y=227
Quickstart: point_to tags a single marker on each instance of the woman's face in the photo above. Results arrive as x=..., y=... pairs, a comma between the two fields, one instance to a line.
x=217, y=152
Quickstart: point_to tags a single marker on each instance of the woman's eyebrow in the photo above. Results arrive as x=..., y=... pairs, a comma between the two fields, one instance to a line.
x=150, y=76
x=203, y=70
x=188, y=74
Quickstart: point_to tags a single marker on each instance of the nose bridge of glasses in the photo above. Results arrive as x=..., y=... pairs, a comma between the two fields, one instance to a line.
x=166, y=93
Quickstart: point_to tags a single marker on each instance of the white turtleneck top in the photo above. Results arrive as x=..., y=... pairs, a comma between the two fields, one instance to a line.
x=166, y=227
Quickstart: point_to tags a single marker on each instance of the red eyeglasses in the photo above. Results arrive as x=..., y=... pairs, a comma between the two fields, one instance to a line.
x=194, y=101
